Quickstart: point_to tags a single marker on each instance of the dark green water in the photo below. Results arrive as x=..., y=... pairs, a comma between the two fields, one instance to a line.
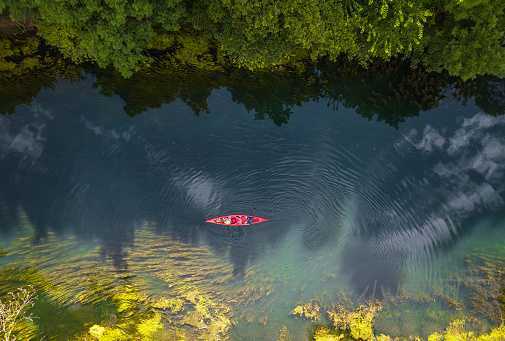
x=375, y=184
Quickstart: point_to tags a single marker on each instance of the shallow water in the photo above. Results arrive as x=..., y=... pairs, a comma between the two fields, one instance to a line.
x=359, y=207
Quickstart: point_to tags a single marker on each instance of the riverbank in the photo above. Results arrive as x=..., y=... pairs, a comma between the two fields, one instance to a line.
x=461, y=38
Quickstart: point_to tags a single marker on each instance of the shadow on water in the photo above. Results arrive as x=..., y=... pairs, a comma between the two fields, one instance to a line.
x=73, y=162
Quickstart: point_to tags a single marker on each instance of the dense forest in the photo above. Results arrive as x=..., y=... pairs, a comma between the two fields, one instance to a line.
x=465, y=38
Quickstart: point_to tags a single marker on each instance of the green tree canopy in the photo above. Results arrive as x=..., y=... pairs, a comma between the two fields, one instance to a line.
x=466, y=38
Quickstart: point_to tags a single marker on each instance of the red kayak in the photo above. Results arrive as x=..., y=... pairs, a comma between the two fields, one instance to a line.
x=236, y=220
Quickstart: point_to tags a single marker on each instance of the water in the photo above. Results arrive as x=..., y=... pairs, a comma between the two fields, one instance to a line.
x=370, y=195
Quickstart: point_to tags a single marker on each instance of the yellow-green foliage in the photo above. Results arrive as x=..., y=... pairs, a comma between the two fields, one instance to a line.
x=359, y=322
x=496, y=334
x=456, y=332
x=134, y=320
x=149, y=329
x=310, y=311
x=383, y=337
x=107, y=334
x=127, y=299
x=322, y=333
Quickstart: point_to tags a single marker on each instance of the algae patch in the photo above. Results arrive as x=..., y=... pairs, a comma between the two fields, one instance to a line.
x=309, y=311
x=358, y=322
x=170, y=290
x=323, y=333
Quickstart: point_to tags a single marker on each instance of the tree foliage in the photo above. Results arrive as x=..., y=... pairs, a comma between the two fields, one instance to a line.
x=467, y=39
x=107, y=32
x=464, y=37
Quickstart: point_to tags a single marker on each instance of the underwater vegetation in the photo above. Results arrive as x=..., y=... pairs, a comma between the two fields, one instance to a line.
x=484, y=283
x=168, y=290
x=157, y=297
x=310, y=311
x=456, y=331
x=15, y=321
x=358, y=323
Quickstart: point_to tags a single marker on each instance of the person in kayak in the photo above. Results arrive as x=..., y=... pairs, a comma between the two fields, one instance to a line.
x=250, y=220
x=233, y=220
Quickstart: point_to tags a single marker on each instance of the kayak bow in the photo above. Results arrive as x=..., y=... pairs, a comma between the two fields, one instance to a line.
x=236, y=220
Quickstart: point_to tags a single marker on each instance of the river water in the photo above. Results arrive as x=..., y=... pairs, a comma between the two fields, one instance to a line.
x=366, y=199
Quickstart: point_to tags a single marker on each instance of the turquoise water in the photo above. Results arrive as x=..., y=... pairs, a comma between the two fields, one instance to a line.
x=368, y=198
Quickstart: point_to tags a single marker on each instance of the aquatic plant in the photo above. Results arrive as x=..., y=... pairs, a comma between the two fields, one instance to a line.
x=14, y=317
x=148, y=329
x=310, y=311
x=456, y=332
x=358, y=322
x=107, y=334
x=323, y=333
x=169, y=289
x=484, y=282
x=418, y=313
x=173, y=305
x=283, y=334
